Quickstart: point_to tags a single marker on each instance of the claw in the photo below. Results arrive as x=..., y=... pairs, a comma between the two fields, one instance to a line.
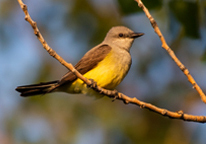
x=93, y=84
x=115, y=95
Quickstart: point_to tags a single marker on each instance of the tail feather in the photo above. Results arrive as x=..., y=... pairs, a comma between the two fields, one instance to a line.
x=36, y=89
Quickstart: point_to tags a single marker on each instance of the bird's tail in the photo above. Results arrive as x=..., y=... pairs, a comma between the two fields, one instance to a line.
x=36, y=89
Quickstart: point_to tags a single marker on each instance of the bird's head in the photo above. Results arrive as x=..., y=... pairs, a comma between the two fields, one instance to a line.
x=121, y=37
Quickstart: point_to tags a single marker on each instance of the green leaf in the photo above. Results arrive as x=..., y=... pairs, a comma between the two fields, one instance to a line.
x=130, y=6
x=187, y=14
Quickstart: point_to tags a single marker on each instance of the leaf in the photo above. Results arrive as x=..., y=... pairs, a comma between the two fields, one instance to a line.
x=130, y=6
x=187, y=14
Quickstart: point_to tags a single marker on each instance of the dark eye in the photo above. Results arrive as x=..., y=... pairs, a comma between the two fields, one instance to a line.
x=121, y=35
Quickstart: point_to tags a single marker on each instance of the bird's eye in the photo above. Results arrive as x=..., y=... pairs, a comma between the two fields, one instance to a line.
x=121, y=35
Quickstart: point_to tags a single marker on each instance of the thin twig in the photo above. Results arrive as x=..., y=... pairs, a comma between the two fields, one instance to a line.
x=171, y=52
x=112, y=94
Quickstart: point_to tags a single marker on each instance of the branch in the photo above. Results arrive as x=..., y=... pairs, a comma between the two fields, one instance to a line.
x=171, y=52
x=112, y=94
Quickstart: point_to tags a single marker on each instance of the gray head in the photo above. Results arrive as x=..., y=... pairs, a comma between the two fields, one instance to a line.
x=121, y=37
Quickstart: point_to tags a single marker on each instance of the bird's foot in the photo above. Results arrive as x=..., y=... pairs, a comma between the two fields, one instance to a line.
x=116, y=95
x=93, y=84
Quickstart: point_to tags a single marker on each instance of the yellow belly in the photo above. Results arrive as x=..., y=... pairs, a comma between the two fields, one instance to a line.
x=108, y=74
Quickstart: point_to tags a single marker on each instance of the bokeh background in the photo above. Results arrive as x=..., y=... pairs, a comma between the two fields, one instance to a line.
x=72, y=27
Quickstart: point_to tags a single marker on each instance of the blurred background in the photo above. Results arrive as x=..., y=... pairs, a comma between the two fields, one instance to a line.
x=71, y=28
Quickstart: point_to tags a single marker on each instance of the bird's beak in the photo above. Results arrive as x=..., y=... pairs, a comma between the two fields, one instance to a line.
x=136, y=35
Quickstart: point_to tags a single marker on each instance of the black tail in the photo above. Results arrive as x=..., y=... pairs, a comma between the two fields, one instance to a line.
x=36, y=89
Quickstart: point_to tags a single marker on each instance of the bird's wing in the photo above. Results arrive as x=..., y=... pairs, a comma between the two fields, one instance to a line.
x=87, y=62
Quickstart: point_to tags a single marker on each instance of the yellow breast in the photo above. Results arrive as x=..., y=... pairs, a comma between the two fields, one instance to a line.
x=108, y=74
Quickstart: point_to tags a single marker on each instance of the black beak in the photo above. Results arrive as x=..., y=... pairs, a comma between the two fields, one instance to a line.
x=136, y=35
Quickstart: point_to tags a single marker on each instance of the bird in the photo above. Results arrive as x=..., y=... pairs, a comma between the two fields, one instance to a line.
x=106, y=64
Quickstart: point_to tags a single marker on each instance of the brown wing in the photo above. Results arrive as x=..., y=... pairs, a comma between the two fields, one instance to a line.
x=88, y=62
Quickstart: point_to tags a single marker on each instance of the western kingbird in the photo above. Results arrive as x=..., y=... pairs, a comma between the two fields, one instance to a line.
x=107, y=64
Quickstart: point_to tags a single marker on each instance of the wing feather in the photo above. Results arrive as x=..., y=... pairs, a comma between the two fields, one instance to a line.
x=87, y=62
